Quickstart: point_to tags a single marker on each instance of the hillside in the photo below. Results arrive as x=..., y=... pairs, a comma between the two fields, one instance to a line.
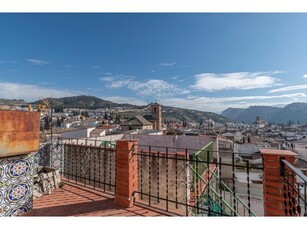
x=12, y=102
x=80, y=102
x=295, y=112
x=90, y=102
x=7, y=104
x=169, y=113
x=232, y=113
x=84, y=102
x=189, y=115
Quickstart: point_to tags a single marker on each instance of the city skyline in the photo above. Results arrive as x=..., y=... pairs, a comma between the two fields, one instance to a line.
x=206, y=61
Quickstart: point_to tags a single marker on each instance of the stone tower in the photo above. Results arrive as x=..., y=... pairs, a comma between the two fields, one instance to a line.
x=156, y=113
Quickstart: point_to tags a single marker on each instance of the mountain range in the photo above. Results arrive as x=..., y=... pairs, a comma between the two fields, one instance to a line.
x=294, y=112
x=89, y=102
x=291, y=113
x=169, y=113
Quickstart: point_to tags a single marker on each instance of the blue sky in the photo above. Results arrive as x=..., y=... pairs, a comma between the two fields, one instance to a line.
x=205, y=61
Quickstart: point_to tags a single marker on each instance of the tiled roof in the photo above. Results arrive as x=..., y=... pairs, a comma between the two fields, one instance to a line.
x=149, y=118
x=137, y=120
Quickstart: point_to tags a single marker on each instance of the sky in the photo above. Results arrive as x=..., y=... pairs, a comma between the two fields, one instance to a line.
x=205, y=61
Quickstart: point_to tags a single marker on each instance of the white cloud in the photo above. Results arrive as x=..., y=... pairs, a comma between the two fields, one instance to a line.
x=157, y=88
x=108, y=79
x=123, y=100
x=28, y=92
x=116, y=84
x=289, y=88
x=168, y=64
x=37, y=62
x=305, y=76
x=67, y=66
x=154, y=87
x=218, y=104
x=95, y=67
x=240, y=81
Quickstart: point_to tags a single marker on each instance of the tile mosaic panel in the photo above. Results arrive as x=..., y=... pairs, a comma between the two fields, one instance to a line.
x=16, y=185
x=50, y=154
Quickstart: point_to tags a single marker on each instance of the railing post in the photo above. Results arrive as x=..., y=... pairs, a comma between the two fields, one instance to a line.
x=126, y=172
x=273, y=180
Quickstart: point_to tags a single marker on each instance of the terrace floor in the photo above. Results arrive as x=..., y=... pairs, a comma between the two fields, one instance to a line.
x=75, y=200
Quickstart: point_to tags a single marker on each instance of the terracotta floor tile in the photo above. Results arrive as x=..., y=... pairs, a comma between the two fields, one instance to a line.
x=75, y=200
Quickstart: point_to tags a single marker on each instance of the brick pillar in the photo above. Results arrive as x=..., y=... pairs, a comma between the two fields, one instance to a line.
x=126, y=172
x=273, y=182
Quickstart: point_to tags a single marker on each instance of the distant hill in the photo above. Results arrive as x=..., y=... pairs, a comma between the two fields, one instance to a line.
x=90, y=102
x=295, y=112
x=232, y=113
x=169, y=113
x=86, y=102
x=189, y=115
x=12, y=102
x=7, y=104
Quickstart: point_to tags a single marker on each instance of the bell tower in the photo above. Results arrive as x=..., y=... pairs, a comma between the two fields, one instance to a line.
x=156, y=113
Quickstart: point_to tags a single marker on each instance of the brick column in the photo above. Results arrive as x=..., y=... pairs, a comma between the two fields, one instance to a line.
x=273, y=182
x=126, y=172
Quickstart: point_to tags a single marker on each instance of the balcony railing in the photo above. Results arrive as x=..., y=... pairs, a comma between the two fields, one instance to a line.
x=88, y=165
x=295, y=186
x=178, y=181
x=182, y=181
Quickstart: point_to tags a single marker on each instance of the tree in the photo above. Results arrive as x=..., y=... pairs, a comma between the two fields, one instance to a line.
x=58, y=122
x=84, y=113
x=106, y=117
x=46, y=123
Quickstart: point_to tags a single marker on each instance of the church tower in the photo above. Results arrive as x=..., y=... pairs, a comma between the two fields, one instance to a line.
x=156, y=113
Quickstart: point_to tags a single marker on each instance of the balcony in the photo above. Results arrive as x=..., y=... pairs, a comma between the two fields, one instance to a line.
x=166, y=181
x=130, y=179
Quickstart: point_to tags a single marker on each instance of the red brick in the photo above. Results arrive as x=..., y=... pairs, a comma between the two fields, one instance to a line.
x=273, y=183
x=272, y=171
x=275, y=178
x=123, y=202
x=273, y=191
x=272, y=164
x=274, y=197
x=267, y=157
x=127, y=173
x=275, y=212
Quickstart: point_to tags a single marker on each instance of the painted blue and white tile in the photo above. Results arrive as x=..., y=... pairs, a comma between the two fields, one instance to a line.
x=16, y=185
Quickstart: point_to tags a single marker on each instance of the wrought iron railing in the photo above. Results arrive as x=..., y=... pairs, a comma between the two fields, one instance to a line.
x=295, y=186
x=167, y=180
x=217, y=196
x=81, y=162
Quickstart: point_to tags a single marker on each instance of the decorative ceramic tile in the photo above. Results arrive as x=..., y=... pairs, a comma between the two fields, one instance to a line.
x=50, y=154
x=42, y=156
x=16, y=185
